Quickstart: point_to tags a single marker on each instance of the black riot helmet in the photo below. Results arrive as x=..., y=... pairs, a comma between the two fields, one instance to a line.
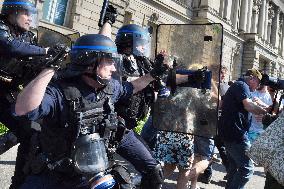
x=133, y=39
x=10, y=7
x=89, y=51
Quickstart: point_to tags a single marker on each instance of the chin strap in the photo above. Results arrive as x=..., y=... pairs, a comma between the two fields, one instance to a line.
x=97, y=78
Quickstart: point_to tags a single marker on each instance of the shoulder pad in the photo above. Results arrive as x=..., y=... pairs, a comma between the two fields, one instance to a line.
x=3, y=26
x=70, y=91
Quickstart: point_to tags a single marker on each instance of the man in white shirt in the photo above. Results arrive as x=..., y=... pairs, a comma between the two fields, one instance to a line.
x=263, y=98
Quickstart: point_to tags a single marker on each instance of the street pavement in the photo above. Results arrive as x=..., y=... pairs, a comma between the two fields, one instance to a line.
x=7, y=162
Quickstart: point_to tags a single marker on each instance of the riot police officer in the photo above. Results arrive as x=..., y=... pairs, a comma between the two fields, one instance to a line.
x=133, y=42
x=63, y=104
x=16, y=43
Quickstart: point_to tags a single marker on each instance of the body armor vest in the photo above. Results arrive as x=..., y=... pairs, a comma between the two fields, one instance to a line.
x=136, y=107
x=53, y=146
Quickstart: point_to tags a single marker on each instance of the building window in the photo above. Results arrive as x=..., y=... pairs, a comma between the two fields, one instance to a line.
x=54, y=11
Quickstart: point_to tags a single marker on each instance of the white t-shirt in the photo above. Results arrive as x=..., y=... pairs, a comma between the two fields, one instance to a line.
x=266, y=98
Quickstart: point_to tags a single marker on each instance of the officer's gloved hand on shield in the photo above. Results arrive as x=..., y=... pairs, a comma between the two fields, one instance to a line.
x=56, y=54
x=161, y=67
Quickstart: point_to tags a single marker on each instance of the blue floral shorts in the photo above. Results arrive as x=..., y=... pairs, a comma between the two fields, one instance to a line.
x=174, y=148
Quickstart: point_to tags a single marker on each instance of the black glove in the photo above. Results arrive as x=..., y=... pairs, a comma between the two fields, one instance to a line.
x=198, y=76
x=56, y=54
x=268, y=119
x=160, y=69
x=56, y=49
x=111, y=14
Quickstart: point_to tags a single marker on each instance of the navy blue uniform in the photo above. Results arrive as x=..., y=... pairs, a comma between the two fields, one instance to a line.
x=52, y=107
x=14, y=44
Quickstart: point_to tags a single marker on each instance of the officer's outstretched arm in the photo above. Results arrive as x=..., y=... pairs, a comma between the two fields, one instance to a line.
x=141, y=82
x=106, y=30
x=31, y=96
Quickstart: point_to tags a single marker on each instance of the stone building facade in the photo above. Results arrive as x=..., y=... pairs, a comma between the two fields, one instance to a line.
x=253, y=29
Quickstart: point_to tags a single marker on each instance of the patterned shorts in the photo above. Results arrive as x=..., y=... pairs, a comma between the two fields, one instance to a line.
x=174, y=148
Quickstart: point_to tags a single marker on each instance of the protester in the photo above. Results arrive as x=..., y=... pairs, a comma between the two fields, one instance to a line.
x=235, y=122
x=263, y=98
x=207, y=175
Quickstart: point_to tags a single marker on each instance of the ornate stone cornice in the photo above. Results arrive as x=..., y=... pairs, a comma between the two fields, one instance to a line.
x=213, y=12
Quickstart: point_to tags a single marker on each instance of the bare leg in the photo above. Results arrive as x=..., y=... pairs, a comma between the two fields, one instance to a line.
x=199, y=165
x=168, y=169
x=183, y=178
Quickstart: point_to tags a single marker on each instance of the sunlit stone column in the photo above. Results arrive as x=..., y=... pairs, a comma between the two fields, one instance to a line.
x=221, y=8
x=282, y=37
x=228, y=10
x=275, y=28
x=249, y=17
x=264, y=35
x=269, y=22
x=260, y=30
x=255, y=14
x=243, y=16
x=235, y=15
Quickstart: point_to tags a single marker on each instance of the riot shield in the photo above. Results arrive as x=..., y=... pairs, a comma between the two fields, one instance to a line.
x=191, y=110
x=48, y=38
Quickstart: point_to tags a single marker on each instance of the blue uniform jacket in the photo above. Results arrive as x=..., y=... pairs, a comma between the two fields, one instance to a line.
x=54, y=102
x=17, y=45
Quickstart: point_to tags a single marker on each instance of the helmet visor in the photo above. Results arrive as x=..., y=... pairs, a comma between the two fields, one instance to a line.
x=134, y=42
x=141, y=44
x=109, y=66
x=34, y=19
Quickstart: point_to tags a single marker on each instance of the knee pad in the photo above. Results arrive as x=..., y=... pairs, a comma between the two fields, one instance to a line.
x=153, y=178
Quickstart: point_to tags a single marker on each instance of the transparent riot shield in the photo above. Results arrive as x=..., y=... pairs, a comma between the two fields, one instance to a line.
x=48, y=38
x=191, y=110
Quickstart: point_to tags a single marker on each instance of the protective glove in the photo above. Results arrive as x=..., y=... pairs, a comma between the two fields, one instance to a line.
x=160, y=69
x=56, y=54
x=56, y=49
x=198, y=76
x=111, y=14
x=268, y=119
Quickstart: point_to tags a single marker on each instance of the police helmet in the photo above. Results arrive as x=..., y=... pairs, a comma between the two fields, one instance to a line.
x=12, y=6
x=133, y=39
x=89, y=50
